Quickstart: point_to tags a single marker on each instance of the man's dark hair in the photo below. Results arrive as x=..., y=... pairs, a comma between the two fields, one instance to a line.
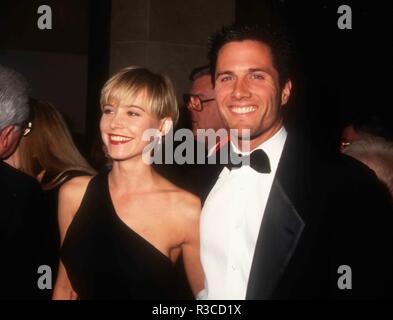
x=275, y=40
x=198, y=72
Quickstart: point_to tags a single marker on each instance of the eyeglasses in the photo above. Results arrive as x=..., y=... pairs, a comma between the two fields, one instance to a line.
x=344, y=144
x=27, y=129
x=195, y=102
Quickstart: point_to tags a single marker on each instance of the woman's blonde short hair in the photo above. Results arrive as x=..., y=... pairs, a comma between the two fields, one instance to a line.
x=123, y=88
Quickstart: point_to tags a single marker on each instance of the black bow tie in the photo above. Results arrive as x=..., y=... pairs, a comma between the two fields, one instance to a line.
x=258, y=160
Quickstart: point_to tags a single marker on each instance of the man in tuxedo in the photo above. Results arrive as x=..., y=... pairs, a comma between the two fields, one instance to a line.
x=291, y=224
x=20, y=197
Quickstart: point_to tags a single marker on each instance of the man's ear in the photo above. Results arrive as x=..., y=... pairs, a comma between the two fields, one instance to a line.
x=165, y=125
x=6, y=136
x=286, y=92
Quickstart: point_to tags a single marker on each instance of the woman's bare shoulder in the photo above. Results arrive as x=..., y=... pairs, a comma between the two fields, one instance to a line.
x=182, y=201
x=188, y=204
x=75, y=185
x=73, y=190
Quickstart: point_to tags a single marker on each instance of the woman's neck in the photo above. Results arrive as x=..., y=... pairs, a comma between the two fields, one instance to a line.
x=131, y=175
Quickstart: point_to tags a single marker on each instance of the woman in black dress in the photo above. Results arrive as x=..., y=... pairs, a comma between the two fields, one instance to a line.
x=123, y=230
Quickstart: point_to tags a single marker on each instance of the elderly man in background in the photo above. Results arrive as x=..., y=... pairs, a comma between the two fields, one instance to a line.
x=20, y=196
x=201, y=103
x=376, y=153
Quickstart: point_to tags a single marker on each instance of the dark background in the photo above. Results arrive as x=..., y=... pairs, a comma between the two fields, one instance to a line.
x=337, y=74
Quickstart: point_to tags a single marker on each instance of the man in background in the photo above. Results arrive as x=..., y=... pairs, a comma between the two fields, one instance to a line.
x=201, y=103
x=20, y=196
x=203, y=112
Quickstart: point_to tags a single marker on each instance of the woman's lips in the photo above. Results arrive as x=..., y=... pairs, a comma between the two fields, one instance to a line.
x=117, y=139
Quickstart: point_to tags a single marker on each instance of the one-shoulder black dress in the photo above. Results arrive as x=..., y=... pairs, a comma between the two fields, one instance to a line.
x=106, y=259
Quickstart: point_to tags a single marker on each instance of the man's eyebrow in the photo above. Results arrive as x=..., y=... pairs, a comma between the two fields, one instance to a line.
x=259, y=70
x=224, y=72
x=250, y=70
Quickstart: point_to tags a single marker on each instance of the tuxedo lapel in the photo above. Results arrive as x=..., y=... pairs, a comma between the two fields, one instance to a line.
x=278, y=237
x=280, y=230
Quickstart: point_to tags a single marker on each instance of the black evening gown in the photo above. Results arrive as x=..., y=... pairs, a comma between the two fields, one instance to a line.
x=105, y=259
x=50, y=244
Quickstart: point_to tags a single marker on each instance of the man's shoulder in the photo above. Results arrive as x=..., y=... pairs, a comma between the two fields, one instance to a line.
x=304, y=151
x=20, y=196
x=14, y=180
x=330, y=177
x=346, y=171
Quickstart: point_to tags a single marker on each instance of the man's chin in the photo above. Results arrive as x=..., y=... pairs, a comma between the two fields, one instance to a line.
x=244, y=133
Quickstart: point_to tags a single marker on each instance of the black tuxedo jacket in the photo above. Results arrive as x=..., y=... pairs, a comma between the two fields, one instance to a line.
x=20, y=234
x=322, y=213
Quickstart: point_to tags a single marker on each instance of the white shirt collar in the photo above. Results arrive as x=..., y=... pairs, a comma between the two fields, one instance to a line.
x=273, y=147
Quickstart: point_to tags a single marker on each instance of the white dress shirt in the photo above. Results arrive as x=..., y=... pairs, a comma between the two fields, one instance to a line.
x=230, y=222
